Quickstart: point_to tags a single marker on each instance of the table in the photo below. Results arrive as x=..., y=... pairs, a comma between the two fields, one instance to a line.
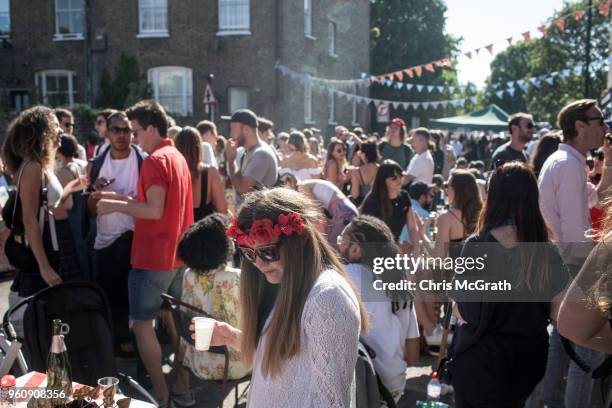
x=34, y=379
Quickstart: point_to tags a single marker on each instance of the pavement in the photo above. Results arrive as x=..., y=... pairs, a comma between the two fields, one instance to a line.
x=207, y=394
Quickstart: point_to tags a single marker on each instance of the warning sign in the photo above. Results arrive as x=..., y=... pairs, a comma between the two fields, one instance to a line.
x=209, y=96
x=382, y=113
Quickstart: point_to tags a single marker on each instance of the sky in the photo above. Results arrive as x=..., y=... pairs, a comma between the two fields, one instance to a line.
x=482, y=22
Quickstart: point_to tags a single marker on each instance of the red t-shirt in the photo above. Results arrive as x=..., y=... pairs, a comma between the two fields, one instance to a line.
x=155, y=241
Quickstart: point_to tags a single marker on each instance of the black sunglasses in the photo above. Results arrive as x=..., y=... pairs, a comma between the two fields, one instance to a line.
x=599, y=118
x=117, y=129
x=530, y=125
x=268, y=253
x=68, y=125
x=395, y=177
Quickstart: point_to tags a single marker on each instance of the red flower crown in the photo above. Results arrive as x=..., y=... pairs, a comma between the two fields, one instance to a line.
x=265, y=230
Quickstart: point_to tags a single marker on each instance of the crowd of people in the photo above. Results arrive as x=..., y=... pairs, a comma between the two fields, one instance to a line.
x=275, y=235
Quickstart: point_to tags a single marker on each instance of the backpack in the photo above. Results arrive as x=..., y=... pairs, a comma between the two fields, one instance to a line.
x=96, y=163
x=370, y=390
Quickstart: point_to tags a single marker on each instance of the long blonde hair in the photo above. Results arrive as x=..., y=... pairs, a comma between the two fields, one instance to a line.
x=30, y=135
x=305, y=256
x=600, y=294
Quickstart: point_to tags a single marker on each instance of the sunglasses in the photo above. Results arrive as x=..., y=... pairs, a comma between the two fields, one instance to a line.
x=339, y=150
x=394, y=178
x=598, y=118
x=268, y=253
x=530, y=125
x=68, y=125
x=117, y=129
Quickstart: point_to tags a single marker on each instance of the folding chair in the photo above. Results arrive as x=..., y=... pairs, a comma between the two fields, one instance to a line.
x=182, y=320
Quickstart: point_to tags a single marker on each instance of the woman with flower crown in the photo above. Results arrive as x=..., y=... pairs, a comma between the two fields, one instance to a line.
x=301, y=318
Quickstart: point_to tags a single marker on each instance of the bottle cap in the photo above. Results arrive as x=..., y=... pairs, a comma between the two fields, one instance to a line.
x=7, y=381
x=434, y=375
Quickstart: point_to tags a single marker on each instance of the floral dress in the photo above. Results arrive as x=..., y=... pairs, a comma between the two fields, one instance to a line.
x=217, y=293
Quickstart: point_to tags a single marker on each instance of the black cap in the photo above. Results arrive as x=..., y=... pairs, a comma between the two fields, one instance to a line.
x=246, y=117
x=418, y=189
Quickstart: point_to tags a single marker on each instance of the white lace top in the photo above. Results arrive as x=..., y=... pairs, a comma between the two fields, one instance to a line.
x=322, y=373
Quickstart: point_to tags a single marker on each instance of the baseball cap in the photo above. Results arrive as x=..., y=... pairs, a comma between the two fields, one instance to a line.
x=418, y=189
x=398, y=122
x=246, y=117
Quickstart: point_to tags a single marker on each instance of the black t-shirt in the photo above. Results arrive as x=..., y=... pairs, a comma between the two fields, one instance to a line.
x=505, y=154
x=400, y=205
x=500, y=355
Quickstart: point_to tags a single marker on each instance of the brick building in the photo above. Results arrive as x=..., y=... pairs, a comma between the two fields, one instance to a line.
x=53, y=51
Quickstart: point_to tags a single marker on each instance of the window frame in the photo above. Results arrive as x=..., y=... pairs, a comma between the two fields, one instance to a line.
x=187, y=101
x=331, y=104
x=308, y=101
x=8, y=14
x=308, y=26
x=230, y=99
x=57, y=36
x=226, y=30
x=42, y=76
x=332, y=37
x=155, y=33
x=354, y=119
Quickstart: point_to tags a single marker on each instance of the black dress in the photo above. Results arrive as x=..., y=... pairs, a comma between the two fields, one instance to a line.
x=500, y=355
x=400, y=206
x=204, y=209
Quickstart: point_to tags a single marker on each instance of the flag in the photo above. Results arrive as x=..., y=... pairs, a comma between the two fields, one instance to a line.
x=430, y=88
x=499, y=94
x=419, y=87
x=560, y=23
x=440, y=89
x=527, y=36
x=399, y=75
x=451, y=89
x=409, y=73
x=578, y=15
x=490, y=48
x=543, y=30
x=418, y=70
x=468, y=54
x=535, y=82
x=550, y=80
x=604, y=8
x=509, y=39
x=408, y=86
x=511, y=91
x=477, y=51
x=430, y=67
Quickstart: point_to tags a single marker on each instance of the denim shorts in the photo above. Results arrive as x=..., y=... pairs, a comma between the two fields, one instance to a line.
x=145, y=289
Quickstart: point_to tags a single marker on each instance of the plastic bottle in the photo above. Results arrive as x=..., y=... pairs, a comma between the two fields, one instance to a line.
x=434, y=388
x=431, y=404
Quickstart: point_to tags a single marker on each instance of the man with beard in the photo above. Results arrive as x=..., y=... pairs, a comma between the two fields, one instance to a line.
x=522, y=129
x=258, y=167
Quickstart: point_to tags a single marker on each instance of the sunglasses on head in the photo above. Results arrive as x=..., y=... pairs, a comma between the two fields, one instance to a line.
x=117, y=129
x=268, y=253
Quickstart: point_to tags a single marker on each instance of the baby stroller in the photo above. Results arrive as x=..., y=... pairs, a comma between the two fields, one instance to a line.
x=84, y=307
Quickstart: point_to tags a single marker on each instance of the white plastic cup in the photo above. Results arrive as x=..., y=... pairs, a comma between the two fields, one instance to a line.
x=204, y=327
x=107, y=382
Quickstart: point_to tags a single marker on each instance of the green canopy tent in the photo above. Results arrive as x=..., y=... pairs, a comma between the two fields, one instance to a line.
x=490, y=118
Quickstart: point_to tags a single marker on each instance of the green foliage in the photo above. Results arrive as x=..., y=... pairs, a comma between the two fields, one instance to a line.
x=407, y=33
x=557, y=51
x=127, y=87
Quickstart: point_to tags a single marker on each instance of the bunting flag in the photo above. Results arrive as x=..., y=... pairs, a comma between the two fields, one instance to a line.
x=430, y=67
x=560, y=23
x=400, y=75
x=604, y=8
x=409, y=73
x=418, y=70
x=430, y=88
x=511, y=91
x=490, y=48
x=468, y=54
x=578, y=15
x=477, y=50
x=543, y=30
x=509, y=39
x=527, y=36
x=420, y=87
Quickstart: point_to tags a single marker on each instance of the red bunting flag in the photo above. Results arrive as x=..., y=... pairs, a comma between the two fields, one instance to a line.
x=604, y=8
x=409, y=73
x=399, y=75
x=527, y=36
x=490, y=48
x=430, y=67
x=560, y=23
x=509, y=39
x=418, y=70
x=578, y=15
x=543, y=30
x=390, y=77
x=468, y=54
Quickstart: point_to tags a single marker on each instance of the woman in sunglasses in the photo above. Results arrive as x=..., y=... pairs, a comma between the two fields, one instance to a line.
x=389, y=202
x=300, y=318
x=335, y=166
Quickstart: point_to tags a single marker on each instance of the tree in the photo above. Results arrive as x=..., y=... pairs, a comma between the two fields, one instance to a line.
x=128, y=87
x=406, y=33
x=557, y=51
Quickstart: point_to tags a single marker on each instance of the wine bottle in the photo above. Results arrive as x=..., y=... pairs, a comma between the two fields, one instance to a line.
x=59, y=375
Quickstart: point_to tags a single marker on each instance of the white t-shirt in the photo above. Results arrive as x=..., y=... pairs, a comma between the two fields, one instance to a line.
x=209, y=155
x=422, y=167
x=388, y=331
x=125, y=172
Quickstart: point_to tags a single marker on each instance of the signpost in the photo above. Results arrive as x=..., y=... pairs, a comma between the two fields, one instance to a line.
x=382, y=113
x=209, y=100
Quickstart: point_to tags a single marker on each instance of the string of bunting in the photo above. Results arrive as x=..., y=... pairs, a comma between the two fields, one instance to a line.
x=416, y=71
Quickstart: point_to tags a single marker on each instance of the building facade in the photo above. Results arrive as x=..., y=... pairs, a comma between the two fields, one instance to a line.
x=54, y=51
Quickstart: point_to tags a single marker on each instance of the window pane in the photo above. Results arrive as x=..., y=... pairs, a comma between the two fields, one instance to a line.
x=63, y=23
x=238, y=99
x=52, y=83
x=77, y=22
x=63, y=4
x=234, y=14
x=173, y=87
x=5, y=23
x=62, y=83
x=147, y=3
x=76, y=4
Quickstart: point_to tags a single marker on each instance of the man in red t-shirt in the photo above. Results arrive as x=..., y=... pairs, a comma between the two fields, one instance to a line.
x=163, y=210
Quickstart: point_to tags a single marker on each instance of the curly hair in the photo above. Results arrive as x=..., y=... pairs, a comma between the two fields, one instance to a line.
x=30, y=135
x=205, y=246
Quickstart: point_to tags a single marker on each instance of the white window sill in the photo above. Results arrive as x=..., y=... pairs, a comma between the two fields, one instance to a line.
x=5, y=36
x=333, y=55
x=310, y=37
x=75, y=37
x=226, y=33
x=160, y=34
x=356, y=124
x=332, y=123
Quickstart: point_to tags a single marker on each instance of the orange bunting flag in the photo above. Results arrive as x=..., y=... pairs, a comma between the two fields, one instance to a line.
x=560, y=23
x=527, y=36
x=578, y=15
x=468, y=54
x=418, y=70
x=490, y=48
x=543, y=30
x=430, y=67
x=390, y=77
x=399, y=75
x=409, y=73
x=604, y=8
x=509, y=39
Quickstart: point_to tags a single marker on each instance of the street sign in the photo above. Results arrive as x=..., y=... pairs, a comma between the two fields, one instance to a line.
x=209, y=96
x=382, y=113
